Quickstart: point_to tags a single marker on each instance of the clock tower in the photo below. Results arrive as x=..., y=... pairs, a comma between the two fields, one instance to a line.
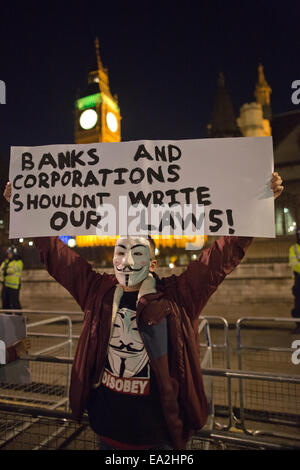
x=97, y=114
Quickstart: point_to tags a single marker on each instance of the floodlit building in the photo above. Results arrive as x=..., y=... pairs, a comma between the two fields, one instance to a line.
x=256, y=120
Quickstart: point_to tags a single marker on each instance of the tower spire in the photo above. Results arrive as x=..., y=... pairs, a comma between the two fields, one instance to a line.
x=102, y=72
x=97, y=47
x=223, y=122
x=221, y=80
x=263, y=92
x=261, y=76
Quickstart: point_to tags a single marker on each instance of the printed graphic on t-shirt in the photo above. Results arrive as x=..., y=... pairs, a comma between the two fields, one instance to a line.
x=128, y=369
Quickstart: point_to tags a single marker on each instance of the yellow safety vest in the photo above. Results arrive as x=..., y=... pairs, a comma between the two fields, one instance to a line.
x=294, y=257
x=12, y=278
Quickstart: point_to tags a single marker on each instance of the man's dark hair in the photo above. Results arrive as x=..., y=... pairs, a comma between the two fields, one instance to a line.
x=152, y=247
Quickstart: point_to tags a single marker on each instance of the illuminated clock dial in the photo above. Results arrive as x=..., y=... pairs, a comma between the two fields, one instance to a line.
x=111, y=122
x=88, y=119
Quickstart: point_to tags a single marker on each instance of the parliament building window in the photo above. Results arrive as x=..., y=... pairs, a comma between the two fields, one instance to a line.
x=285, y=221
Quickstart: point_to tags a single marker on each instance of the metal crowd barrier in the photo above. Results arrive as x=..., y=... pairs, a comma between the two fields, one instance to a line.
x=219, y=353
x=39, y=428
x=21, y=428
x=206, y=362
x=278, y=403
x=228, y=390
x=49, y=384
x=56, y=347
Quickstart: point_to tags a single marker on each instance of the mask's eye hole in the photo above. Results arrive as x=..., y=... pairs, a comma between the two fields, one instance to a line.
x=138, y=253
x=120, y=253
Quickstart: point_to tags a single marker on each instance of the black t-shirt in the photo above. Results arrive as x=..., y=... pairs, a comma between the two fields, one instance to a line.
x=126, y=406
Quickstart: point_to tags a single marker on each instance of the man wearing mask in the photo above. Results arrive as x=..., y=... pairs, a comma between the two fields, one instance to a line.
x=294, y=262
x=11, y=271
x=137, y=367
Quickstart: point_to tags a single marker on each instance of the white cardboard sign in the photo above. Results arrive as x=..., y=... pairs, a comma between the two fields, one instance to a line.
x=203, y=186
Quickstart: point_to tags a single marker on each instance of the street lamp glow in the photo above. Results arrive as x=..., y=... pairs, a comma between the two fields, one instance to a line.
x=72, y=242
x=171, y=265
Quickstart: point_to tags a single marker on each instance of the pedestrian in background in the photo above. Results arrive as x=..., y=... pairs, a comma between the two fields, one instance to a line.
x=294, y=262
x=11, y=271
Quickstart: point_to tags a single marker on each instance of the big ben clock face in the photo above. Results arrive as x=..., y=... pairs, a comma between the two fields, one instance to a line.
x=88, y=119
x=111, y=122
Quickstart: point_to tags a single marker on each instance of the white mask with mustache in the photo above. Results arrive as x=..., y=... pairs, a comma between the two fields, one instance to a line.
x=131, y=260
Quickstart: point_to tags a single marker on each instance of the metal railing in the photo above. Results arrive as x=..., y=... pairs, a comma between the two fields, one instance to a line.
x=18, y=423
x=206, y=362
x=281, y=389
x=50, y=321
x=267, y=357
x=220, y=350
x=41, y=312
x=68, y=343
x=36, y=391
x=47, y=386
x=22, y=428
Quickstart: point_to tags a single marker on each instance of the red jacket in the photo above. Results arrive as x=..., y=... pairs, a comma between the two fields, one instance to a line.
x=167, y=319
x=11, y=354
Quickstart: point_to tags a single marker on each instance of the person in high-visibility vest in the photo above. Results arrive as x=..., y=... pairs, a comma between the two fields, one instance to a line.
x=294, y=262
x=11, y=271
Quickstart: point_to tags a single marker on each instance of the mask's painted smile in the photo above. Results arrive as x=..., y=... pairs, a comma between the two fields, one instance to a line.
x=128, y=269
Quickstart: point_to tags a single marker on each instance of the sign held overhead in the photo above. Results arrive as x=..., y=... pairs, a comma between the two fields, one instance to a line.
x=185, y=187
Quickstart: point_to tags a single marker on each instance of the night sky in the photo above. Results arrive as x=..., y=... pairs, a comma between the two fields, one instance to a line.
x=163, y=60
